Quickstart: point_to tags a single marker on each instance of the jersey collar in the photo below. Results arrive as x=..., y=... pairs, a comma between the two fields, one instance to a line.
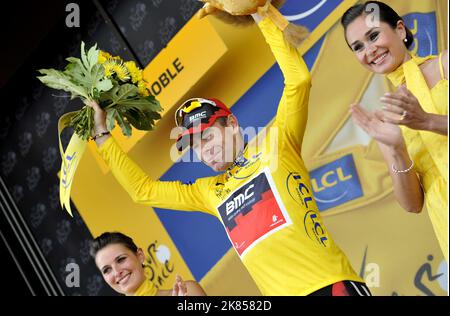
x=238, y=162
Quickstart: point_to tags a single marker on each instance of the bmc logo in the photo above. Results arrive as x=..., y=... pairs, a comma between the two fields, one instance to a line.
x=336, y=183
x=253, y=212
x=240, y=199
x=197, y=116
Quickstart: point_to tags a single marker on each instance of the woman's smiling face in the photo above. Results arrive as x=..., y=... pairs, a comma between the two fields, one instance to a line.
x=379, y=48
x=121, y=268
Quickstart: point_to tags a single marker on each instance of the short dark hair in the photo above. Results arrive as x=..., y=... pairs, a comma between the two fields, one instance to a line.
x=109, y=238
x=387, y=15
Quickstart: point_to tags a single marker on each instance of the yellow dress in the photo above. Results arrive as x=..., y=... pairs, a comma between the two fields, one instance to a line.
x=147, y=288
x=427, y=149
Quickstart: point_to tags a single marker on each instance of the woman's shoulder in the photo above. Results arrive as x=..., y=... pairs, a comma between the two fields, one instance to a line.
x=434, y=69
x=430, y=64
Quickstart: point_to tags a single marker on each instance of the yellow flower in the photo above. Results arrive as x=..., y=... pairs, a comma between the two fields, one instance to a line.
x=108, y=66
x=121, y=71
x=143, y=91
x=103, y=57
x=135, y=72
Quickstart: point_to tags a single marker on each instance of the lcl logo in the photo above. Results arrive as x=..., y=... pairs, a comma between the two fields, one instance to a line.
x=330, y=179
x=335, y=183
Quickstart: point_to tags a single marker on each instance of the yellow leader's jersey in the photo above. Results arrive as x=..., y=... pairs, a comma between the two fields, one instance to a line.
x=265, y=201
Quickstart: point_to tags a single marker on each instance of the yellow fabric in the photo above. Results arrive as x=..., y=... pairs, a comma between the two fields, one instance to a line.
x=427, y=149
x=441, y=67
x=296, y=256
x=70, y=159
x=147, y=288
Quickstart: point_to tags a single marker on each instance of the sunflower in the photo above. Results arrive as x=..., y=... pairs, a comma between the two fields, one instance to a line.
x=121, y=71
x=103, y=57
x=135, y=72
x=108, y=66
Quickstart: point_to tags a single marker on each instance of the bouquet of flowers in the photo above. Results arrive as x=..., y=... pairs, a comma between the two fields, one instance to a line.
x=117, y=86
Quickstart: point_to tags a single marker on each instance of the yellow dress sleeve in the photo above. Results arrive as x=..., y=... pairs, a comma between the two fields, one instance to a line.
x=163, y=194
x=292, y=111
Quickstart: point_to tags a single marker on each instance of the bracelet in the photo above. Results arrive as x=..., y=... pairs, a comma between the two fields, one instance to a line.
x=100, y=135
x=403, y=171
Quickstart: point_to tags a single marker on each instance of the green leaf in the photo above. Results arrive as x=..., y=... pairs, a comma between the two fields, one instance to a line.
x=120, y=94
x=92, y=56
x=138, y=119
x=151, y=98
x=124, y=125
x=142, y=120
x=78, y=74
x=104, y=85
x=140, y=112
x=84, y=57
x=152, y=117
x=58, y=80
x=96, y=74
x=88, y=73
x=110, y=118
x=142, y=104
x=75, y=61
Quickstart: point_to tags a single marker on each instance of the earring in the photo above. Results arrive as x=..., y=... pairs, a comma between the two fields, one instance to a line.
x=405, y=40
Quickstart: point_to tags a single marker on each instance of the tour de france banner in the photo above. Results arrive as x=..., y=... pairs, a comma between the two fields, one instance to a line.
x=394, y=251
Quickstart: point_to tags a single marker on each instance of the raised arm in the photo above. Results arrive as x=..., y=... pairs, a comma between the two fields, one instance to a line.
x=141, y=188
x=293, y=107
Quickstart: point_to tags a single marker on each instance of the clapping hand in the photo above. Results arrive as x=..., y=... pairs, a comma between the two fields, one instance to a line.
x=403, y=108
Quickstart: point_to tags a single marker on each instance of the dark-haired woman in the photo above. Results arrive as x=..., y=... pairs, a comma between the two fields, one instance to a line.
x=411, y=129
x=121, y=263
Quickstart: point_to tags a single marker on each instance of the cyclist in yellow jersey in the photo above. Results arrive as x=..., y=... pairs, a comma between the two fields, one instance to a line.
x=263, y=197
x=412, y=128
